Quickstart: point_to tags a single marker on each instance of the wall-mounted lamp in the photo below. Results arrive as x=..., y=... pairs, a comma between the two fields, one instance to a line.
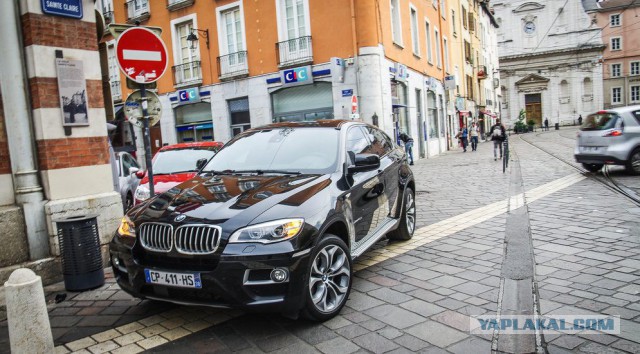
x=193, y=37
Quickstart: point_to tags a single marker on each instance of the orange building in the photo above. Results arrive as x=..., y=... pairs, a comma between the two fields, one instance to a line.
x=246, y=63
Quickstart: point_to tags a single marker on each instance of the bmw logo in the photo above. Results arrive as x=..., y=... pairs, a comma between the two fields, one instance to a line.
x=180, y=218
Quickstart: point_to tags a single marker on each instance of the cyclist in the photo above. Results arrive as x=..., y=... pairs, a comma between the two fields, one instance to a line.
x=498, y=135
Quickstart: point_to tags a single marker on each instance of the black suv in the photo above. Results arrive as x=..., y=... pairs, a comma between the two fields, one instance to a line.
x=272, y=222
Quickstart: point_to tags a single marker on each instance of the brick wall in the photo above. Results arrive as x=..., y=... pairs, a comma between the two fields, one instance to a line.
x=5, y=162
x=72, y=152
x=44, y=93
x=54, y=31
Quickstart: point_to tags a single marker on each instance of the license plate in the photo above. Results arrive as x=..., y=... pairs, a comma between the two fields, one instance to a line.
x=183, y=280
x=589, y=148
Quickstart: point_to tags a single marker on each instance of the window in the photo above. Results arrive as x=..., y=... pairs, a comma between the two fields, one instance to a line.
x=137, y=8
x=616, y=95
x=438, y=53
x=470, y=88
x=240, y=118
x=616, y=70
x=453, y=22
x=616, y=43
x=232, y=48
x=464, y=18
x=634, y=67
x=396, y=26
x=380, y=143
x=294, y=32
x=443, y=9
x=187, y=60
x=615, y=20
x=357, y=142
x=635, y=94
x=114, y=72
x=467, y=52
x=428, y=35
x=414, y=32
x=432, y=111
x=445, y=49
x=295, y=18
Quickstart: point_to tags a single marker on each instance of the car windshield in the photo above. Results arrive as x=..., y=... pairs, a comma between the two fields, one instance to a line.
x=304, y=150
x=180, y=160
x=599, y=121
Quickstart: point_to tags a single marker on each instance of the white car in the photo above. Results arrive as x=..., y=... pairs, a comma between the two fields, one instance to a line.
x=127, y=179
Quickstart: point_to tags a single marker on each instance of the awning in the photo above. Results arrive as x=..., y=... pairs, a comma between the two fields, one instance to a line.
x=464, y=113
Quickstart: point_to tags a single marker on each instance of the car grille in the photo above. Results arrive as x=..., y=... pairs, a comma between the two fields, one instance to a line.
x=197, y=239
x=156, y=237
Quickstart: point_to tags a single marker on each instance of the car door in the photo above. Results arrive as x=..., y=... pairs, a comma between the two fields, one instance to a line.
x=366, y=187
x=390, y=159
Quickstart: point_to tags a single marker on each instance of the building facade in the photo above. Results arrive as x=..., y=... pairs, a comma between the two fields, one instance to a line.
x=255, y=63
x=550, y=61
x=621, y=58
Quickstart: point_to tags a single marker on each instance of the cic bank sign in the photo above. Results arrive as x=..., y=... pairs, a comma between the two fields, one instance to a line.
x=297, y=76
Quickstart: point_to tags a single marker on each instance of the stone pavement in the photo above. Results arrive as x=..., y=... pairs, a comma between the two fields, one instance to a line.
x=417, y=296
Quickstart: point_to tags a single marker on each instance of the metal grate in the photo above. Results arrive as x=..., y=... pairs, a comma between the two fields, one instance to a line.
x=156, y=237
x=197, y=239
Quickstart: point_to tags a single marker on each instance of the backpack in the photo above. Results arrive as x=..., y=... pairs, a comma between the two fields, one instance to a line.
x=497, y=132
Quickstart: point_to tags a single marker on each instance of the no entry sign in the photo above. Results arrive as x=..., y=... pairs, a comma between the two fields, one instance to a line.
x=142, y=56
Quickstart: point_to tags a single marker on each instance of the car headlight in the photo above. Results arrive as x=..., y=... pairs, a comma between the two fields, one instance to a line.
x=272, y=231
x=127, y=227
x=142, y=193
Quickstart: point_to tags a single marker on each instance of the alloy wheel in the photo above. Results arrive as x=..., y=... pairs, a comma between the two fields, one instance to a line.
x=410, y=207
x=329, y=278
x=635, y=161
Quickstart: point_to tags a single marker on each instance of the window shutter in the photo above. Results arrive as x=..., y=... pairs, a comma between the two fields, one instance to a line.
x=472, y=23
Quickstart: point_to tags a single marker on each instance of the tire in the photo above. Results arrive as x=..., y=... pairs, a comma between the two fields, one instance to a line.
x=592, y=167
x=633, y=163
x=326, y=294
x=407, y=225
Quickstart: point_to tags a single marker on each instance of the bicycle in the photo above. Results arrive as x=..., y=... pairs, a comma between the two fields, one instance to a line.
x=505, y=155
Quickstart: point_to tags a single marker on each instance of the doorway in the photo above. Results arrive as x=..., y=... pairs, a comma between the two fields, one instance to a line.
x=421, y=132
x=533, y=104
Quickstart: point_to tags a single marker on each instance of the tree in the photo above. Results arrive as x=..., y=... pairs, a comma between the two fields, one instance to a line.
x=520, y=126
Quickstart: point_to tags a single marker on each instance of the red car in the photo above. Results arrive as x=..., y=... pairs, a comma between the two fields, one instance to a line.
x=173, y=165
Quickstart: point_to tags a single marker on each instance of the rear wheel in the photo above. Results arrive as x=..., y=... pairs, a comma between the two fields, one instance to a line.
x=633, y=164
x=592, y=167
x=407, y=219
x=329, y=281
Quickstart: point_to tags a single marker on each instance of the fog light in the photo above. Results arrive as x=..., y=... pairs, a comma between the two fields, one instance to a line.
x=279, y=275
x=115, y=261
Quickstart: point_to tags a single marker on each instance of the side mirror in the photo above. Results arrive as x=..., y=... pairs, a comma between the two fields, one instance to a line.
x=365, y=162
x=133, y=170
x=201, y=163
x=140, y=174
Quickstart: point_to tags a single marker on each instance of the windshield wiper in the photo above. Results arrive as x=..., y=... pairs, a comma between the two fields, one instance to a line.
x=261, y=172
x=225, y=172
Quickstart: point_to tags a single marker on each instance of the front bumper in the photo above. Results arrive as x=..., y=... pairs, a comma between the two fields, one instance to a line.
x=233, y=280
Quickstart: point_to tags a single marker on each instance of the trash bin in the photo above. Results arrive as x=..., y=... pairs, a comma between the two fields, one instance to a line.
x=557, y=126
x=80, y=250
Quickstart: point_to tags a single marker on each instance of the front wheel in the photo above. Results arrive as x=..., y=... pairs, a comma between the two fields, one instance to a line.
x=407, y=225
x=633, y=164
x=592, y=167
x=329, y=281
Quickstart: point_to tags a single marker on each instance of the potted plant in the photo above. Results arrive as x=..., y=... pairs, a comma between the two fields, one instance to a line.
x=520, y=127
x=531, y=123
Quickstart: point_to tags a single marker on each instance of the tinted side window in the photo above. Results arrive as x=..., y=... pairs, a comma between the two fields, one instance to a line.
x=357, y=142
x=380, y=143
x=636, y=115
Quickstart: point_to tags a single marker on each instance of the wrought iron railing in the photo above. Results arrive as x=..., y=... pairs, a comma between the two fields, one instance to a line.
x=294, y=51
x=137, y=9
x=178, y=4
x=187, y=73
x=233, y=64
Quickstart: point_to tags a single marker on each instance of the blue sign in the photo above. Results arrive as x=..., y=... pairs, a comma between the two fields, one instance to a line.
x=347, y=93
x=189, y=95
x=65, y=8
x=297, y=75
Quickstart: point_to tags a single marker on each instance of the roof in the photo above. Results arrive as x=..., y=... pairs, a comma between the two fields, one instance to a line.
x=608, y=5
x=203, y=144
x=625, y=109
x=320, y=123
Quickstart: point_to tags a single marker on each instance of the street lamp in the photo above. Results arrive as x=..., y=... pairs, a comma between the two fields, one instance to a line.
x=193, y=37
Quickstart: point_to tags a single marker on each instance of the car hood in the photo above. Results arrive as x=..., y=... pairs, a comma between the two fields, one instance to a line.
x=232, y=199
x=162, y=183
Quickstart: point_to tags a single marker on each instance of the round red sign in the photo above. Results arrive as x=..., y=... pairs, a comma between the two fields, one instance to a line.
x=142, y=55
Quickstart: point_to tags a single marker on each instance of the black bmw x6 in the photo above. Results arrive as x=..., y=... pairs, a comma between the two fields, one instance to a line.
x=272, y=222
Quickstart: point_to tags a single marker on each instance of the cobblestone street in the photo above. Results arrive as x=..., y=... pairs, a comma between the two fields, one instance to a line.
x=465, y=259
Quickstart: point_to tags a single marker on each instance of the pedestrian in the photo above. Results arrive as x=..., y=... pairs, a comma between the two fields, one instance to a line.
x=546, y=124
x=473, y=133
x=408, y=145
x=498, y=134
x=580, y=119
x=463, y=135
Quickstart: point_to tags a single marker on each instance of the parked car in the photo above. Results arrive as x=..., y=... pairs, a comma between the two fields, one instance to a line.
x=127, y=179
x=272, y=222
x=174, y=164
x=610, y=137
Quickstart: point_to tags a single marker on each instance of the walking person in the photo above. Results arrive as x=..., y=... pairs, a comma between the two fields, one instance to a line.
x=580, y=119
x=463, y=134
x=546, y=124
x=473, y=133
x=408, y=145
x=498, y=134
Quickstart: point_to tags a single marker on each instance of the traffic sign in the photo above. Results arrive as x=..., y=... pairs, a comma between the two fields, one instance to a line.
x=142, y=55
x=354, y=104
x=133, y=108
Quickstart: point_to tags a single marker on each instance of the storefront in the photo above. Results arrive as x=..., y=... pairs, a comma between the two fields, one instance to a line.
x=193, y=122
x=240, y=115
x=303, y=103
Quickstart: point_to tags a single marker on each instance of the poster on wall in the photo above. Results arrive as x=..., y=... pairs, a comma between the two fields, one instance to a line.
x=72, y=88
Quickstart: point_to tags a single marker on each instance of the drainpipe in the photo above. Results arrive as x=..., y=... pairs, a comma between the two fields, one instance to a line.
x=17, y=113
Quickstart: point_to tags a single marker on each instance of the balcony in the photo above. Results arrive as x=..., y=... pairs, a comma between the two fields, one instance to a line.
x=482, y=72
x=137, y=10
x=116, y=91
x=173, y=5
x=233, y=65
x=296, y=51
x=187, y=74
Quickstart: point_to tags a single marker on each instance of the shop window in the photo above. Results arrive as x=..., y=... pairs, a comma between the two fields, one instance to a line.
x=193, y=123
x=240, y=118
x=303, y=103
x=399, y=101
x=432, y=110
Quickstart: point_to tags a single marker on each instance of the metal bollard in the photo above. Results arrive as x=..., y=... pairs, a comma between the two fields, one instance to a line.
x=27, y=317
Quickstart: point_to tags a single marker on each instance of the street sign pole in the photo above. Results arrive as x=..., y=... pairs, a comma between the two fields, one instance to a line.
x=147, y=138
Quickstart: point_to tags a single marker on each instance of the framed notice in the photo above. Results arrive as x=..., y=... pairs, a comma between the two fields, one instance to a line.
x=72, y=88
